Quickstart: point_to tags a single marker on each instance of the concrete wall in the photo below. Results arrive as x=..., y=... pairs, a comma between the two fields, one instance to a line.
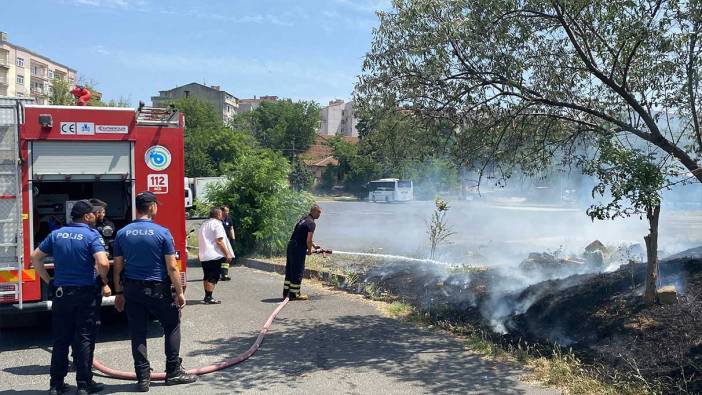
x=338, y=118
x=224, y=103
x=330, y=118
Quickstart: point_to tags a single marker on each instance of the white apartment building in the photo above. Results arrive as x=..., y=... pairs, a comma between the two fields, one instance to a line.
x=338, y=119
x=24, y=73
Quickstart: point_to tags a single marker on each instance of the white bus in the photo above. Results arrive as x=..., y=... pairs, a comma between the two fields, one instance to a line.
x=390, y=190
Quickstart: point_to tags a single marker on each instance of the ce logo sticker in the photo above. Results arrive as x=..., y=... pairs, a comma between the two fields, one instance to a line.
x=68, y=128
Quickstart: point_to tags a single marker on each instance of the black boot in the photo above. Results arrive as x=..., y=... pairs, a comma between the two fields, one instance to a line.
x=58, y=388
x=175, y=374
x=143, y=380
x=89, y=387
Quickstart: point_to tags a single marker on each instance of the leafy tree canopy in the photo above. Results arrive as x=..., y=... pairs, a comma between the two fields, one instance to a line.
x=283, y=125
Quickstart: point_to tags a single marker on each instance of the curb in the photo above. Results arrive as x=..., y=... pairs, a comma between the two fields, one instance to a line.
x=325, y=277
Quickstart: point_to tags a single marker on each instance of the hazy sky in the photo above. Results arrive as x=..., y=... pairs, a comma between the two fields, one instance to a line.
x=305, y=49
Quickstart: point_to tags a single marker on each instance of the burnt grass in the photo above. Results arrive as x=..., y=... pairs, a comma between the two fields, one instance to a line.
x=600, y=316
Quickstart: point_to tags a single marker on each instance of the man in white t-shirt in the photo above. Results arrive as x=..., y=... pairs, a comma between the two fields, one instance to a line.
x=214, y=249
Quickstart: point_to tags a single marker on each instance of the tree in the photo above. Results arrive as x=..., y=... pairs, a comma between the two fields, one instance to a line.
x=283, y=125
x=300, y=177
x=265, y=208
x=209, y=145
x=60, y=93
x=531, y=82
x=634, y=180
x=438, y=229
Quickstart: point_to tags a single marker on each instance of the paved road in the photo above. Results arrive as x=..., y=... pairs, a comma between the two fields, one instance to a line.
x=502, y=233
x=335, y=343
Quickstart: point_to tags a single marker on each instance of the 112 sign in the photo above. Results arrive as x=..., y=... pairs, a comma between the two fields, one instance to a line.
x=157, y=183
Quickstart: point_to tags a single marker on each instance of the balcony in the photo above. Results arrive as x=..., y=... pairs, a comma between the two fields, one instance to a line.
x=40, y=74
x=4, y=62
x=38, y=91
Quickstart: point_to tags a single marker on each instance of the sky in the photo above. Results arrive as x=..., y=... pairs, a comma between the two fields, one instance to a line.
x=304, y=49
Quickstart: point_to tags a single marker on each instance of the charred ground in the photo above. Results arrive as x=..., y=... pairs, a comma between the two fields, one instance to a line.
x=599, y=315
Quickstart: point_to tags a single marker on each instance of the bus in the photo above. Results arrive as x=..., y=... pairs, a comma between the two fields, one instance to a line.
x=390, y=190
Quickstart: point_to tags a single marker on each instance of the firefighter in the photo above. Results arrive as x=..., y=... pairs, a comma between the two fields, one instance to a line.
x=145, y=253
x=231, y=236
x=299, y=246
x=79, y=252
x=103, y=224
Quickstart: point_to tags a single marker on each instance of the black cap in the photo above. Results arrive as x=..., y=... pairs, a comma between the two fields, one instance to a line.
x=145, y=198
x=82, y=207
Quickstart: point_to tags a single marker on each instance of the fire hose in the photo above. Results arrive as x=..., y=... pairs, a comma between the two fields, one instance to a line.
x=122, y=375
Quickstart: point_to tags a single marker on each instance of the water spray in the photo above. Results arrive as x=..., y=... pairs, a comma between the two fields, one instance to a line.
x=390, y=257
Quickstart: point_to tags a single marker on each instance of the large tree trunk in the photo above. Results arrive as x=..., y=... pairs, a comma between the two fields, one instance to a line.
x=652, y=254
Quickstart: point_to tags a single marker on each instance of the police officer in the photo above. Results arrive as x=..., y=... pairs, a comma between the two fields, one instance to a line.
x=145, y=253
x=79, y=252
x=299, y=246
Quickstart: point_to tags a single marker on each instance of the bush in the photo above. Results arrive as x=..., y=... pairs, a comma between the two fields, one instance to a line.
x=263, y=206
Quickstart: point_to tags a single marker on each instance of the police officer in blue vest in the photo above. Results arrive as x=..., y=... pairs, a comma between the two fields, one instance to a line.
x=145, y=268
x=80, y=266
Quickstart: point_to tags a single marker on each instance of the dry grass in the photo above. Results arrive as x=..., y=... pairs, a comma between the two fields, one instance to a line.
x=560, y=369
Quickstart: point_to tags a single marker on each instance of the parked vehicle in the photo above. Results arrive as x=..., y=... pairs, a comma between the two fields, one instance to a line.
x=51, y=156
x=197, y=189
x=390, y=190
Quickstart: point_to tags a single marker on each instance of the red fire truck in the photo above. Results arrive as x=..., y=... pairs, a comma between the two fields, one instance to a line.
x=52, y=156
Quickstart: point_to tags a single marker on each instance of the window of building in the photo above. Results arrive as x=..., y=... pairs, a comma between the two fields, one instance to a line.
x=20, y=62
x=51, y=74
x=20, y=80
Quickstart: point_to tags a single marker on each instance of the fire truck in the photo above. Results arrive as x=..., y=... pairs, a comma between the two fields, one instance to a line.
x=52, y=156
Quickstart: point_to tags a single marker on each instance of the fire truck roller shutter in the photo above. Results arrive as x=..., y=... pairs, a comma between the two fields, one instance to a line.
x=54, y=160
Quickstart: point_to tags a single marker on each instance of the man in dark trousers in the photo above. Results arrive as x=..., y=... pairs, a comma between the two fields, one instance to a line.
x=231, y=236
x=299, y=246
x=103, y=224
x=213, y=250
x=80, y=266
x=145, y=252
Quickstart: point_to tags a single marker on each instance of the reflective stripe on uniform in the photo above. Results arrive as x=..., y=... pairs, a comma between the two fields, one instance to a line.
x=286, y=284
x=225, y=265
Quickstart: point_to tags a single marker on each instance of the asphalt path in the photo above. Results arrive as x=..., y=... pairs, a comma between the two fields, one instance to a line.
x=334, y=343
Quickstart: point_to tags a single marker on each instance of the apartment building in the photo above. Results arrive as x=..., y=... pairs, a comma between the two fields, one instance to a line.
x=251, y=104
x=225, y=103
x=338, y=119
x=24, y=73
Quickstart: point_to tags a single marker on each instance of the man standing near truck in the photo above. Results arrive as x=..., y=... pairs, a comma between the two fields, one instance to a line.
x=213, y=251
x=103, y=224
x=231, y=236
x=299, y=246
x=79, y=257
x=146, y=253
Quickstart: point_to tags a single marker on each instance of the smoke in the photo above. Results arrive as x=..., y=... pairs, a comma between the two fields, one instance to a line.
x=506, y=240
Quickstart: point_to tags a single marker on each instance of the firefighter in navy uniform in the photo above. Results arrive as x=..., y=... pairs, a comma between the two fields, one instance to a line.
x=145, y=253
x=104, y=225
x=80, y=265
x=299, y=246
